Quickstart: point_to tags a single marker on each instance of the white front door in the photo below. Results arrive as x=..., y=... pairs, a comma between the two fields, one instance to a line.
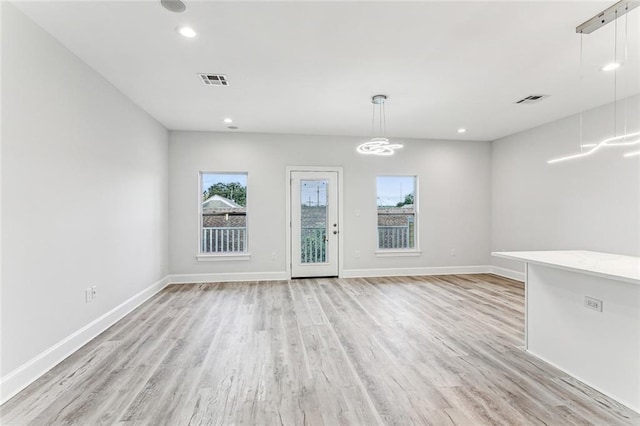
x=314, y=224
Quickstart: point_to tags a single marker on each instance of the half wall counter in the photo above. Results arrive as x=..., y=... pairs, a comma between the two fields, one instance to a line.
x=582, y=315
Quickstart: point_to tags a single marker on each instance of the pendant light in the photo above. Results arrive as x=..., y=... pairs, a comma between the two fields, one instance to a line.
x=378, y=145
x=627, y=138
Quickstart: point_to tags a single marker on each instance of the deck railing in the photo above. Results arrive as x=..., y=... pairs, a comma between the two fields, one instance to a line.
x=393, y=237
x=223, y=240
x=313, y=247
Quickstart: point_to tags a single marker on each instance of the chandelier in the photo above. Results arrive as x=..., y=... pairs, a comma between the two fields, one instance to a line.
x=627, y=138
x=378, y=145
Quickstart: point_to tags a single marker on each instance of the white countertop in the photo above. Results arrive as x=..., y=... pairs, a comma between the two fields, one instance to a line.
x=613, y=266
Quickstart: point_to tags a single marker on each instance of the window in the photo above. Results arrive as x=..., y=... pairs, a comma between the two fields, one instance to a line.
x=223, y=220
x=396, y=199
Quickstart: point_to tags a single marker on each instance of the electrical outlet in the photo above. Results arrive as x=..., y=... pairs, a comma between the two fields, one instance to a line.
x=357, y=254
x=273, y=255
x=591, y=303
x=453, y=252
x=94, y=292
x=88, y=295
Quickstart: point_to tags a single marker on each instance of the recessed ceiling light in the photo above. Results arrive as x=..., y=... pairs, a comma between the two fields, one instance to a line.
x=187, y=32
x=612, y=66
x=462, y=130
x=228, y=120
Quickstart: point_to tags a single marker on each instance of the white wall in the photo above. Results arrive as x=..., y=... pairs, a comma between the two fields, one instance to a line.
x=588, y=204
x=454, y=185
x=84, y=195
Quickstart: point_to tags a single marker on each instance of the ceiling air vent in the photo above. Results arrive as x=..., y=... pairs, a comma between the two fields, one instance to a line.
x=214, y=79
x=532, y=99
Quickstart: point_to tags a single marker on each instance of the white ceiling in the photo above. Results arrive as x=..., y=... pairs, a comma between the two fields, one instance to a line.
x=312, y=67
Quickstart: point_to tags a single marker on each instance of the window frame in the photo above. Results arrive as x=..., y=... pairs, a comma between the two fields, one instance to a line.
x=401, y=252
x=221, y=256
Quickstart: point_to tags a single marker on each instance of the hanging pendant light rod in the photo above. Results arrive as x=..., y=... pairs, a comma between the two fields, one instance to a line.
x=607, y=15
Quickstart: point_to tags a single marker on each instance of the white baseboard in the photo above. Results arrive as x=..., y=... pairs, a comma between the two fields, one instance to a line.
x=507, y=273
x=403, y=272
x=227, y=277
x=347, y=273
x=31, y=370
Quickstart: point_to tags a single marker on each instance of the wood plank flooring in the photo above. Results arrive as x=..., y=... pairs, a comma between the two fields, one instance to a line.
x=440, y=350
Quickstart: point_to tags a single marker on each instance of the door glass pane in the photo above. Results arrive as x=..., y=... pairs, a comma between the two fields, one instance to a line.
x=313, y=221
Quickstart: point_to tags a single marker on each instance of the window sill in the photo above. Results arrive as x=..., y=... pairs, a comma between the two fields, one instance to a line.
x=226, y=257
x=398, y=253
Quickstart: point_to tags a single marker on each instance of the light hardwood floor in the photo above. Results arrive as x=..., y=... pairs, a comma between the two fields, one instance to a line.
x=441, y=350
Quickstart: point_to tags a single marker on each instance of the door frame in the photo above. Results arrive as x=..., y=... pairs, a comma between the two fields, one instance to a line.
x=288, y=254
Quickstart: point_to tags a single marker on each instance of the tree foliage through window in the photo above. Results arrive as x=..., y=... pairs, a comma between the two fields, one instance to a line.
x=408, y=199
x=233, y=191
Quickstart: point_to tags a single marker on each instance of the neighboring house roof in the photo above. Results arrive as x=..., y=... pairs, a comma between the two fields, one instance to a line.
x=396, y=216
x=221, y=212
x=407, y=208
x=313, y=216
x=394, y=220
x=224, y=221
x=218, y=202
